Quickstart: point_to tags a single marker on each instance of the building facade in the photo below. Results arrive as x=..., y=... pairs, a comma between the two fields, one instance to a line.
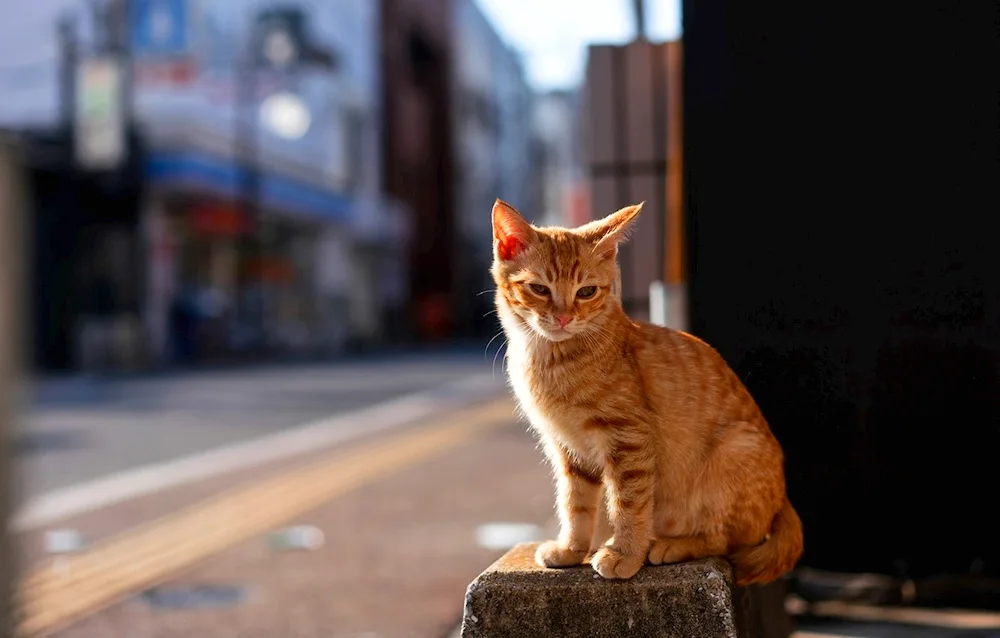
x=560, y=177
x=258, y=222
x=496, y=154
x=417, y=61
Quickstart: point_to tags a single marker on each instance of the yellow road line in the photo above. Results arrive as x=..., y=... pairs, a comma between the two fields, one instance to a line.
x=54, y=596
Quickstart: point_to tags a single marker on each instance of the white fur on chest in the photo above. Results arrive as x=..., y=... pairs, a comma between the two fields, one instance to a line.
x=548, y=415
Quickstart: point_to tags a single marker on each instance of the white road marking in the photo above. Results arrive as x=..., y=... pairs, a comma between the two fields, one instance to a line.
x=310, y=437
x=503, y=536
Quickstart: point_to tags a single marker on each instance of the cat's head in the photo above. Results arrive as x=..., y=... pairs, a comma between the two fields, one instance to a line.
x=559, y=281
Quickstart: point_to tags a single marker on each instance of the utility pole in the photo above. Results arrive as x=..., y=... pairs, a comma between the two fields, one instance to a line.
x=119, y=32
x=68, y=55
x=12, y=353
x=639, y=8
x=247, y=157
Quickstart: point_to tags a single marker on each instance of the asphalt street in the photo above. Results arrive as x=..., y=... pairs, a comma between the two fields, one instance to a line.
x=78, y=430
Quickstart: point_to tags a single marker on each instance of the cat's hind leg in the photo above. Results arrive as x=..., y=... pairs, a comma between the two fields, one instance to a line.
x=678, y=549
x=739, y=489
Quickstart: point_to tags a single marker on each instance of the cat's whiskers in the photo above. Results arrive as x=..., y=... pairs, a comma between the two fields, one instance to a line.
x=600, y=336
x=487, y=350
x=495, y=359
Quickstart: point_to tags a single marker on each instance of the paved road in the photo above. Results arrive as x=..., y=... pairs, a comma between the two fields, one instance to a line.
x=79, y=432
x=411, y=535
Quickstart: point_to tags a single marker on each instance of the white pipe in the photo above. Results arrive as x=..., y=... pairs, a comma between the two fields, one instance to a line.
x=658, y=303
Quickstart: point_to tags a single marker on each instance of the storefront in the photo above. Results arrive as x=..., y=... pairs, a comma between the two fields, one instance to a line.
x=226, y=286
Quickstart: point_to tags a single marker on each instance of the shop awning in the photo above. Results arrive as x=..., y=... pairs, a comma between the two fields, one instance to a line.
x=195, y=171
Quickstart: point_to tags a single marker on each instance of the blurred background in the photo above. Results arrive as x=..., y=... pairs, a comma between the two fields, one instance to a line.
x=250, y=382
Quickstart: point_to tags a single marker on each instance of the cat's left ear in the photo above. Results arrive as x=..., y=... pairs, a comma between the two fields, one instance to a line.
x=613, y=230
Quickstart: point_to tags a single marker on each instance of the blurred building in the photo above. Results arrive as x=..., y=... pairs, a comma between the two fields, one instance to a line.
x=633, y=152
x=301, y=269
x=417, y=54
x=560, y=176
x=250, y=215
x=496, y=154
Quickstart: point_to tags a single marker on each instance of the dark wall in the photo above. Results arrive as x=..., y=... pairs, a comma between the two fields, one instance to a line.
x=842, y=182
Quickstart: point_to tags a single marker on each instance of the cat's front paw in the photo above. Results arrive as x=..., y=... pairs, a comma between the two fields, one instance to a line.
x=610, y=563
x=552, y=554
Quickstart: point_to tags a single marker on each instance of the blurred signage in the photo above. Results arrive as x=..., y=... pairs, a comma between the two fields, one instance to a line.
x=162, y=41
x=218, y=219
x=284, y=41
x=281, y=37
x=161, y=28
x=100, y=123
x=577, y=202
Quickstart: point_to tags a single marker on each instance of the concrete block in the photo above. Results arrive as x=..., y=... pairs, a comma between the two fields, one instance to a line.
x=518, y=599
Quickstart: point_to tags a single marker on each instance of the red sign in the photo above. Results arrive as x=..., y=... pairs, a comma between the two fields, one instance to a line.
x=577, y=203
x=218, y=219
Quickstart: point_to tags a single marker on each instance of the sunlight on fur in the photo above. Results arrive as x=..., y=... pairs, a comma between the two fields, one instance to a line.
x=659, y=452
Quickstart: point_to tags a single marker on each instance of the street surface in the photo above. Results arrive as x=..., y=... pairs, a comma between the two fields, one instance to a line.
x=397, y=556
x=401, y=540
x=79, y=431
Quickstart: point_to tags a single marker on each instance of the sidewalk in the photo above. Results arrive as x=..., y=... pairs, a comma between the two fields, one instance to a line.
x=397, y=556
x=80, y=388
x=115, y=426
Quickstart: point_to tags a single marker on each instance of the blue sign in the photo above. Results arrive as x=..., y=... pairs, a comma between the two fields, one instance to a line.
x=202, y=172
x=161, y=28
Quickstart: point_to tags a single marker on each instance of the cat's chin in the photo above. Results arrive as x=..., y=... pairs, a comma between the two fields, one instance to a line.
x=556, y=335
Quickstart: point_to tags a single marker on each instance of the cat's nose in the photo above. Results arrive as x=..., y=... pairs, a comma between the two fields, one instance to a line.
x=563, y=320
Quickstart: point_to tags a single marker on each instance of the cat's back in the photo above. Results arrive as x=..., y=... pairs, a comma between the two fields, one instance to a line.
x=688, y=375
x=661, y=346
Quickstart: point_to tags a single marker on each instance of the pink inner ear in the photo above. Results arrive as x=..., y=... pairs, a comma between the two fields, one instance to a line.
x=512, y=236
x=509, y=247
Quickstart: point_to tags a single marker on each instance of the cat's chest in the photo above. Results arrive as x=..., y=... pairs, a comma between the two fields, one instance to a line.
x=546, y=407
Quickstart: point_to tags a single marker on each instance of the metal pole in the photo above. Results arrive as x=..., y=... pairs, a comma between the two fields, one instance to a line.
x=639, y=8
x=247, y=158
x=12, y=304
x=121, y=23
x=67, y=70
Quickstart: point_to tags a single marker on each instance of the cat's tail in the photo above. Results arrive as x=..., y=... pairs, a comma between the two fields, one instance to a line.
x=774, y=557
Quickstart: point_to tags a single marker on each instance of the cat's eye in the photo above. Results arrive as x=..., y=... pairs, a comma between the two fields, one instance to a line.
x=586, y=292
x=539, y=289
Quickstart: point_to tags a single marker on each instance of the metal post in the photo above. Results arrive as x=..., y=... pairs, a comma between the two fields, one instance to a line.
x=247, y=157
x=12, y=305
x=67, y=70
x=121, y=24
x=639, y=8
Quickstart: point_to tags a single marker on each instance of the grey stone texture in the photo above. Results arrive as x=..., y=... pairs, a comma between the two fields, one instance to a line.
x=516, y=598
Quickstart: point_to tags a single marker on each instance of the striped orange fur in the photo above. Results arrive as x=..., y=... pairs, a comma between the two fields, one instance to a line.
x=650, y=421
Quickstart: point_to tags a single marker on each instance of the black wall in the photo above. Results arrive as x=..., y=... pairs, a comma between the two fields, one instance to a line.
x=843, y=176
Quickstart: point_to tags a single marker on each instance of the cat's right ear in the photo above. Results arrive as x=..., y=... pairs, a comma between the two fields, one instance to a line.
x=511, y=233
x=614, y=229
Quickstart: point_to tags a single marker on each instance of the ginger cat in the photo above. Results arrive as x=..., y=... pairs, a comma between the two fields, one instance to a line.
x=653, y=416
